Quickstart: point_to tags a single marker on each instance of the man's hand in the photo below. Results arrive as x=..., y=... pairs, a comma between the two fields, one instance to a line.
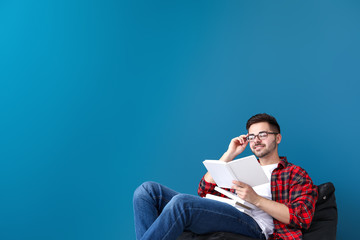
x=236, y=146
x=277, y=210
x=246, y=192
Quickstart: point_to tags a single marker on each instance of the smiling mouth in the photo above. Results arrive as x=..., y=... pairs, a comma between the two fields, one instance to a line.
x=259, y=146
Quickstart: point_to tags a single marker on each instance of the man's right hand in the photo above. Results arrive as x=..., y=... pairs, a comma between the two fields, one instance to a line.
x=236, y=146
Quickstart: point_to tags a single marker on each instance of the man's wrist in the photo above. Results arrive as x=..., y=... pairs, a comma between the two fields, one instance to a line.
x=259, y=201
x=227, y=157
x=208, y=178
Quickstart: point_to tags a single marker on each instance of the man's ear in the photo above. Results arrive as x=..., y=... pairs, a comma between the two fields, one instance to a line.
x=278, y=138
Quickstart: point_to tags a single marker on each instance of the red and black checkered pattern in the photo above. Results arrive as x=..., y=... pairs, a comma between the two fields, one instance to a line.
x=292, y=186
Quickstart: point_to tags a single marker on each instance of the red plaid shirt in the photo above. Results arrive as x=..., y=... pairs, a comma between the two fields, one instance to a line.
x=292, y=186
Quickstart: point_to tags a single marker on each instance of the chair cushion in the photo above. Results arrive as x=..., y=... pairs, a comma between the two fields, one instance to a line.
x=323, y=226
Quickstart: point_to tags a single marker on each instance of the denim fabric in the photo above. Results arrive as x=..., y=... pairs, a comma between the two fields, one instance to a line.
x=161, y=213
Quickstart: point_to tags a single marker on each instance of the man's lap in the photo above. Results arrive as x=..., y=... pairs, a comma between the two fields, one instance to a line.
x=206, y=215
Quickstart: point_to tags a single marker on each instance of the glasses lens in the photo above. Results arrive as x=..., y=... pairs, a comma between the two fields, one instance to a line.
x=251, y=137
x=263, y=135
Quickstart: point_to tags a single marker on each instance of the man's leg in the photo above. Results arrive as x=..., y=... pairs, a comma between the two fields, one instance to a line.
x=195, y=214
x=150, y=198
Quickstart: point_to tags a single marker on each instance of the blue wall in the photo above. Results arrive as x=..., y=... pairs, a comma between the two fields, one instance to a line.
x=99, y=96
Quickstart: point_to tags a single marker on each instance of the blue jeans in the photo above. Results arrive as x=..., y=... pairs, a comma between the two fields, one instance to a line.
x=161, y=213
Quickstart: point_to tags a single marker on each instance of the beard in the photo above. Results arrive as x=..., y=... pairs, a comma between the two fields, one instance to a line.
x=266, y=150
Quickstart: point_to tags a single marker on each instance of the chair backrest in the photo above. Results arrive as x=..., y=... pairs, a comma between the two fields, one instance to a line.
x=324, y=224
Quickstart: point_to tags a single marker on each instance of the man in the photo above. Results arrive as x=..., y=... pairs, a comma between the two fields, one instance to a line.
x=284, y=206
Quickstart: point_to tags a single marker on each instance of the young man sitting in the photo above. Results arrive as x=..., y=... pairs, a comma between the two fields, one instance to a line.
x=285, y=205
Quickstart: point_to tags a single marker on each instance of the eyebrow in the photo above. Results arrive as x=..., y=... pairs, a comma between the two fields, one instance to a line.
x=258, y=132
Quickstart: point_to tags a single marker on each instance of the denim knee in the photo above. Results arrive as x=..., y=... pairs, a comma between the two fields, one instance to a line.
x=181, y=201
x=144, y=189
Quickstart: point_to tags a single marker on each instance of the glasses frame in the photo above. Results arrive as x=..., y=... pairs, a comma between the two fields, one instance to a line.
x=258, y=135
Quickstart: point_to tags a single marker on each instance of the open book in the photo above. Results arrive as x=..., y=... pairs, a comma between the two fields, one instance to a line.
x=246, y=170
x=232, y=202
x=233, y=199
x=239, y=201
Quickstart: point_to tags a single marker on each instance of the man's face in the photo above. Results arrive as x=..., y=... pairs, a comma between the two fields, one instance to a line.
x=264, y=147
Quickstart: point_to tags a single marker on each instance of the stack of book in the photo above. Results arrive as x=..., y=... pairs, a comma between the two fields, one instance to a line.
x=233, y=200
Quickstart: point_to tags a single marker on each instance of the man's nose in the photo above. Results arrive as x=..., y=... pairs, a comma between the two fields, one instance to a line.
x=257, y=139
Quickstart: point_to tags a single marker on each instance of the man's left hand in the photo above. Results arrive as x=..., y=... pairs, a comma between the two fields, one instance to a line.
x=246, y=192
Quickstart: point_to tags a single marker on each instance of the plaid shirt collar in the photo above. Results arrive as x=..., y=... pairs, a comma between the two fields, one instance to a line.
x=283, y=163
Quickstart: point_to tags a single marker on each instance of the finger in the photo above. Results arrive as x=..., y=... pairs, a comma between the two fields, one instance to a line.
x=235, y=141
x=242, y=139
x=238, y=183
x=239, y=141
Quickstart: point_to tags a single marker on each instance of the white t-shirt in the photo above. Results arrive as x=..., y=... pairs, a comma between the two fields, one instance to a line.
x=264, y=220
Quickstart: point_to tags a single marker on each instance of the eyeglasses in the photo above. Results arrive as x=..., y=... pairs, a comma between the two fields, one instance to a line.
x=262, y=135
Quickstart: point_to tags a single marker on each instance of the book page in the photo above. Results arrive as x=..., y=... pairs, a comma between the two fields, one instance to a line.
x=249, y=171
x=220, y=173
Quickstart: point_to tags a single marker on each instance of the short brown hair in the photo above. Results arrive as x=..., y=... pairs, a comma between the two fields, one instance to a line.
x=263, y=117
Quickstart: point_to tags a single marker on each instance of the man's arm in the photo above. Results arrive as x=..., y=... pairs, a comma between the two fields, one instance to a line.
x=302, y=199
x=277, y=210
x=296, y=211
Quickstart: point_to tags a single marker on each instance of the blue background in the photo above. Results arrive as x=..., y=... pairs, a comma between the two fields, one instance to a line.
x=99, y=96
